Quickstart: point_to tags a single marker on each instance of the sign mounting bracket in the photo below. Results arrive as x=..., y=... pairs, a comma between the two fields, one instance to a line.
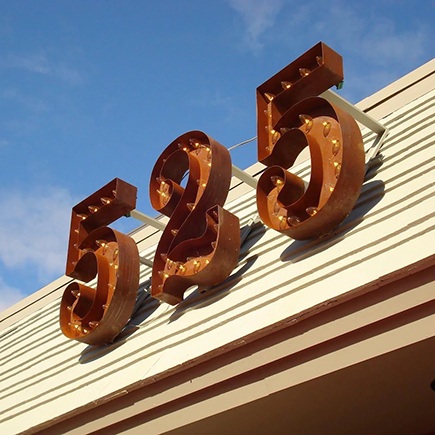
x=155, y=223
x=364, y=119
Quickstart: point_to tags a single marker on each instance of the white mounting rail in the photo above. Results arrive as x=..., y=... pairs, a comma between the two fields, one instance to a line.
x=136, y=214
x=245, y=177
x=363, y=118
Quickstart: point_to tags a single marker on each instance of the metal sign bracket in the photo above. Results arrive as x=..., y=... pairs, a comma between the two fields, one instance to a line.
x=362, y=117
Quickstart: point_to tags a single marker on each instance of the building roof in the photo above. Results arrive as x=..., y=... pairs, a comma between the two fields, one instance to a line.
x=278, y=281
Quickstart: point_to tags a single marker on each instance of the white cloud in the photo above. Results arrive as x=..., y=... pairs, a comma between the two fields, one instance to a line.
x=34, y=228
x=38, y=63
x=386, y=45
x=9, y=295
x=258, y=16
x=212, y=99
x=377, y=48
x=379, y=39
x=27, y=101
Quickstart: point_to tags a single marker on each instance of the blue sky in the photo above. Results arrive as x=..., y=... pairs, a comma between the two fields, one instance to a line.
x=93, y=90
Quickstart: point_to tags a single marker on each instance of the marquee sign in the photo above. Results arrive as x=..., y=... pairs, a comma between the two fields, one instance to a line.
x=200, y=244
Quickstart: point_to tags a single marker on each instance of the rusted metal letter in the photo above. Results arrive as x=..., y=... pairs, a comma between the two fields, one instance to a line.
x=201, y=242
x=97, y=315
x=290, y=117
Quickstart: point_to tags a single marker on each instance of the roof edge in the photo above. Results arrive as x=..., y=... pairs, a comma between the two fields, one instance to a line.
x=397, y=91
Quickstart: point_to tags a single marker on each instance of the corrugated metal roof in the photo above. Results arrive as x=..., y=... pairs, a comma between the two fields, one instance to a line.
x=44, y=375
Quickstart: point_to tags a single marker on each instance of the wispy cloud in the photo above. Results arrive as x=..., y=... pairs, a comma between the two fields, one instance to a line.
x=258, y=16
x=29, y=102
x=386, y=45
x=39, y=63
x=5, y=26
x=377, y=47
x=9, y=295
x=34, y=228
x=215, y=99
x=377, y=39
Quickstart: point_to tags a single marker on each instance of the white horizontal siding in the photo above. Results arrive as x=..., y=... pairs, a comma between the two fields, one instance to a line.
x=44, y=375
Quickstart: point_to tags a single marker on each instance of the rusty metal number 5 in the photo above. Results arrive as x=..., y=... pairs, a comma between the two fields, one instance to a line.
x=291, y=117
x=97, y=315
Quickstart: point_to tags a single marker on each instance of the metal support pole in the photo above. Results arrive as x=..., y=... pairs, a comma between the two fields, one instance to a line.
x=245, y=177
x=147, y=219
x=145, y=261
x=361, y=117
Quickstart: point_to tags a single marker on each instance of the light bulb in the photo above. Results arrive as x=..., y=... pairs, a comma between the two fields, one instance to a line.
x=336, y=145
x=304, y=72
x=307, y=121
x=293, y=220
x=93, y=208
x=311, y=210
x=269, y=96
x=326, y=128
x=276, y=180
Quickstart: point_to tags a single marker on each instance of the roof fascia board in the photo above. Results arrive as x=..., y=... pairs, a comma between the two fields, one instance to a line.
x=395, y=296
x=398, y=94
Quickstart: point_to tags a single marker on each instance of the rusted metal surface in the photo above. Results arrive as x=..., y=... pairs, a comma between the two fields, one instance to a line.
x=97, y=316
x=291, y=117
x=201, y=242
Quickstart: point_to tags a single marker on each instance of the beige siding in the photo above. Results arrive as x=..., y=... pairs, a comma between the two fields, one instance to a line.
x=44, y=376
